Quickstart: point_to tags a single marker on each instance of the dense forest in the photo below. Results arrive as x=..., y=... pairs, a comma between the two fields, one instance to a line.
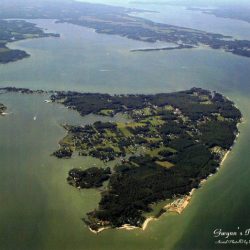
x=92, y=177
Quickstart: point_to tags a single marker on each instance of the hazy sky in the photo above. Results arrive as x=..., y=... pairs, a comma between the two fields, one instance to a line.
x=188, y=2
x=181, y=2
x=125, y=2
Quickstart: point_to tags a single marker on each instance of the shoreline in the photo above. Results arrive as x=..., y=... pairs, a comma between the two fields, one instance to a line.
x=146, y=222
x=178, y=205
x=99, y=230
x=224, y=158
x=184, y=201
x=126, y=226
x=13, y=45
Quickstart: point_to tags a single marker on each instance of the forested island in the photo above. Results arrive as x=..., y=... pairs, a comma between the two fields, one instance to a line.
x=2, y=109
x=172, y=142
x=169, y=144
x=16, y=30
x=164, y=48
x=24, y=90
x=121, y=21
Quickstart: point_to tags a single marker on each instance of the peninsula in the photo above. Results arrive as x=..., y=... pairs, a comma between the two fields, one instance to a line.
x=16, y=30
x=170, y=143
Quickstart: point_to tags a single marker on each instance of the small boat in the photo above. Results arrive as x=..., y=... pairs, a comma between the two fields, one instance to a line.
x=34, y=118
x=104, y=70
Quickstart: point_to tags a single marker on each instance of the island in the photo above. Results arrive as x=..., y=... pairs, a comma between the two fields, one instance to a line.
x=165, y=146
x=164, y=48
x=124, y=22
x=2, y=109
x=169, y=144
x=16, y=30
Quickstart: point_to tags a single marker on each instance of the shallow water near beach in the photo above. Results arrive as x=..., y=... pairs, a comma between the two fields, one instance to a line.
x=39, y=210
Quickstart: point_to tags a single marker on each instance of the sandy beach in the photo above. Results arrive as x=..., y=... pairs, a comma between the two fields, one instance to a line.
x=128, y=227
x=145, y=224
x=99, y=230
x=224, y=157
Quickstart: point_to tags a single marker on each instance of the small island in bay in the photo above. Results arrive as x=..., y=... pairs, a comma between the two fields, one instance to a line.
x=163, y=48
x=2, y=109
x=16, y=30
x=170, y=143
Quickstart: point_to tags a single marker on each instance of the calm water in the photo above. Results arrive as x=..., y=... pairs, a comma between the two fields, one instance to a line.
x=39, y=210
